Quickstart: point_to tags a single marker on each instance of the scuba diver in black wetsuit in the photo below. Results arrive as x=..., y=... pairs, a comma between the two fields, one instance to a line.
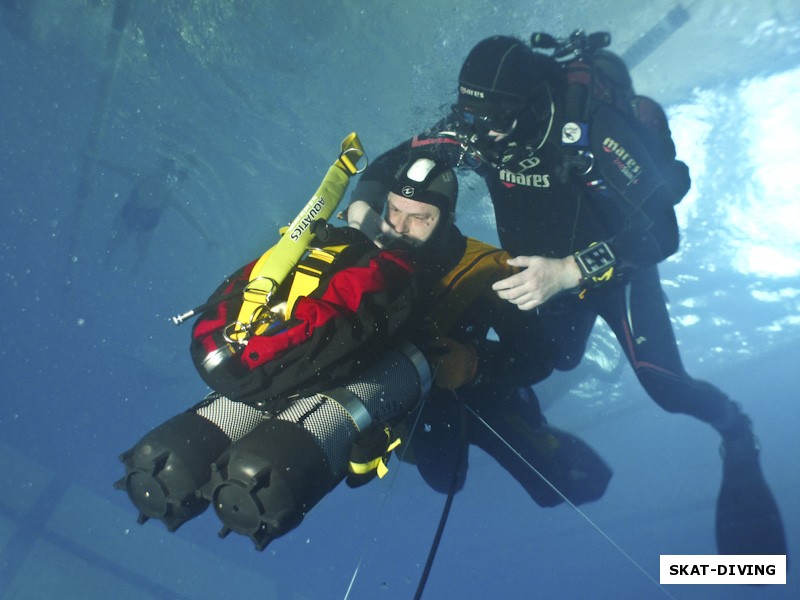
x=151, y=195
x=584, y=196
x=492, y=377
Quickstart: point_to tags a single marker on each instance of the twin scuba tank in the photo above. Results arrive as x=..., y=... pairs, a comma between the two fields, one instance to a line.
x=273, y=439
x=262, y=472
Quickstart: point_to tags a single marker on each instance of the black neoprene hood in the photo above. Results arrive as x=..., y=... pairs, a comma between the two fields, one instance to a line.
x=500, y=74
x=424, y=180
x=491, y=74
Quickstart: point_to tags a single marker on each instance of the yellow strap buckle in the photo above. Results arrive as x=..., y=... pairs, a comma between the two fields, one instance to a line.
x=377, y=464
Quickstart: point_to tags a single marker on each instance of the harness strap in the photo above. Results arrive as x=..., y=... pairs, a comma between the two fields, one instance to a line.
x=311, y=270
x=377, y=464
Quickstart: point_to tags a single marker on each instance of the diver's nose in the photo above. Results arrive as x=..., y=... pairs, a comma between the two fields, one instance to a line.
x=401, y=225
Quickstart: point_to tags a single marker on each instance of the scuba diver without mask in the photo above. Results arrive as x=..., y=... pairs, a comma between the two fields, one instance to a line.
x=421, y=202
x=420, y=211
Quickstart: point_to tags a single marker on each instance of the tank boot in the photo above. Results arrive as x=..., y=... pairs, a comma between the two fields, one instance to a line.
x=263, y=485
x=748, y=520
x=166, y=468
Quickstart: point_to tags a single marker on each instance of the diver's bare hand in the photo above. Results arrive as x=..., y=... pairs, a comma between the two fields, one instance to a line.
x=363, y=217
x=539, y=280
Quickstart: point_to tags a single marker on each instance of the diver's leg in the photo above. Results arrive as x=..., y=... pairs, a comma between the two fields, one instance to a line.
x=748, y=521
x=545, y=461
x=568, y=322
x=437, y=444
x=638, y=316
x=508, y=428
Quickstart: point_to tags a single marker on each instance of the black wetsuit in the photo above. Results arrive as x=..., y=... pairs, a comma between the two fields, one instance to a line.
x=543, y=207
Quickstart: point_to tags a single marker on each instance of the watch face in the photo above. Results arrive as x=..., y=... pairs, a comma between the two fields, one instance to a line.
x=596, y=259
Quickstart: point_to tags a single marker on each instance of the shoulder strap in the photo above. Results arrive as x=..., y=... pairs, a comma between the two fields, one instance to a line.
x=600, y=77
x=312, y=269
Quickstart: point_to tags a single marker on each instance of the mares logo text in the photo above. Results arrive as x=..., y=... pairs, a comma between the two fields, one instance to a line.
x=626, y=164
x=535, y=181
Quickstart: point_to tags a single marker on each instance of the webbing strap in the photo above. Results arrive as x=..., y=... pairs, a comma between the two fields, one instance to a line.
x=353, y=405
x=377, y=464
x=308, y=274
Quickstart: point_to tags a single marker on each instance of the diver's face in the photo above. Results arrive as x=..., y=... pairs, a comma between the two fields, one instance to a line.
x=415, y=221
x=494, y=126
